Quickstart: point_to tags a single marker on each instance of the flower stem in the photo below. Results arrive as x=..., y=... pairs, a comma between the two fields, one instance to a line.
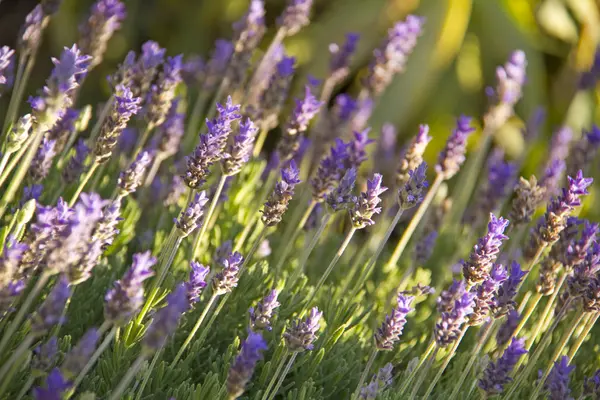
x=158, y=159
x=282, y=377
x=4, y=161
x=526, y=315
x=541, y=320
x=276, y=374
x=25, y=388
x=414, y=222
x=260, y=140
x=591, y=320
x=414, y=372
x=15, y=159
x=141, y=142
x=16, y=366
x=84, y=180
x=207, y=217
x=195, y=118
x=157, y=355
x=424, y=372
x=100, y=121
x=19, y=88
x=131, y=372
x=263, y=65
x=194, y=330
x=363, y=376
x=16, y=355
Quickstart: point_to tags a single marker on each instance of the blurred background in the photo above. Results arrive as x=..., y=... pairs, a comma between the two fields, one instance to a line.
x=446, y=76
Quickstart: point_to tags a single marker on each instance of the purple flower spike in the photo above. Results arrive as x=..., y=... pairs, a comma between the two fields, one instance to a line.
x=193, y=71
x=357, y=149
x=76, y=163
x=378, y=384
x=171, y=131
x=485, y=293
x=56, y=385
x=190, y=219
x=197, y=281
x=497, y=374
x=505, y=333
x=341, y=198
x=528, y=196
x=124, y=300
x=105, y=18
x=10, y=259
x=391, y=329
x=146, y=68
x=301, y=334
x=45, y=356
x=591, y=385
x=557, y=383
x=240, y=150
x=278, y=201
x=413, y=157
x=424, y=248
x=166, y=320
x=242, y=368
x=30, y=34
x=217, y=64
x=227, y=279
x=504, y=301
x=6, y=57
x=276, y=92
x=50, y=312
x=485, y=252
x=329, y=171
x=453, y=155
x=261, y=316
x=411, y=194
x=222, y=253
x=42, y=161
x=131, y=178
x=391, y=57
x=162, y=93
x=339, y=65
x=458, y=305
x=367, y=204
x=511, y=78
x=295, y=16
x=79, y=355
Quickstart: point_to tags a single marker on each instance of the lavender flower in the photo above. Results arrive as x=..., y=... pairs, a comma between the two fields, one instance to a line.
x=276, y=92
x=190, y=219
x=76, y=163
x=424, y=248
x=453, y=155
x=105, y=18
x=19, y=134
x=162, y=93
x=50, y=312
x=12, y=255
x=341, y=197
x=33, y=192
x=504, y=301
x=497, y=374
x=242, y=368
x=30, y=35
x=56, y=96
x=301, y=334
x=166, y=320
x=583, y=152
x=485, y=294
x=511, y=78
x=124, y=107
x=240, y=150
x=79, y=355
x=391, y=329
x=107, y=230
x=145, y=69
x=124, y=300
x=196, y=282
x=45, y=356
x=329, y=171
x=6, y=57
x=66, y=126
x=557, y=383
x=528, y=196
x=356, y=149
x=42, y=161
x=505, y=333
x=295, y=16
x=477, y=268
x=131, y=178
x=9, y=294
x=261, y=316
x=56, y=385
x=413, y=157
x=364, y=109
x=217, y=64
x=171, y=131
x=339, y=64
x=278, y=201
x=391, y=57
x=555, y=167
x=386, y=148
x=378, y=384
x=411, y=193
x=459, y=306
x=126, y=72
x=193, y=71
x=591, y=385
x=227, y=279
x=579, y=281
x=222, y=253
x=366, y=205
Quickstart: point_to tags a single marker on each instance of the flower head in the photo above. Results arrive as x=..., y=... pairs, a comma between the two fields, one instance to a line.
x=339, y=63
x=6, y=57
x=278, y=201
x=528, y=196
x=357, y=148
x=391, y=329
x=76, y=163
x=302, y=333
x=485, y=294
x=329, y=171
x=131, y=178
x=242, y=368
x=366, y=205
x=378, y=384
x=411, y=193
x=190, y=218
x=504, y=300
x=413, y=157
x=453, y=155
x=557, y=383
x=505, y=333
x=55, y=386
x=497, y=374
x=261, y=316
x=45, y=356
x=30, y=34
x=584, y=152
x=240, y=150
x=50, y=312
x=342, y=197
x=295, y=16
x=217, y=64
x=455, y=305
x=79, y=355
x=166, y=320
x=227, y=279
x=196, y=282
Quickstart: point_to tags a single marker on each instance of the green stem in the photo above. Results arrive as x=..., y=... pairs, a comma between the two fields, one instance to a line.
x=541, y=320
x=117, y=394
x=141, y=142
x=4, y=161
x=332, y=264
x=263, y=65
x=153, y=169
x=16, y=355
x=424, y=373
x=207, y=217
x=19, y=90
x=56, y=330
x=474, y=354
x=414, y=372
x=414, y=222
x=289, y=243
x=15, y=159
x=363, y=376
x=282, y=377
x=98, y=125
x=17, y=365
x=212, y=319
x=194, y=330
x=307, y=252
x=195, y=118
x=257, y=242
x=276, y=374
x=99, y=351
x=591, y=320
x=23, y=309
x=157, y=355
x=525, y=316
x=25, y=388
x=84, y=180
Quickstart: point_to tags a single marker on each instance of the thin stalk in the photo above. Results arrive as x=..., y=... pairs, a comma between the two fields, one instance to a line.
x=141, y=142
x=56, y=330
x=365, y=274
x=263, y=65
x=260, y=140
x=88, y=366
x=297, y=228
x=15, y=159
x=414, y=372
x=424, y=373
x=16, y=95
x=153, y=169
x=25, y=389
x=98, y=125
x=131, y=372
x=194, y=330
x=541, y=321
x=212, y=319
x=474, y=354
x=22, y=169
x=257, y=242
x=207, y=217
x=414, y=222
x=282, y=377
x=217, y=97
x=4, y=161
x=157, y=355
x=592, y=318
x=363, y=376
x=16, y=355
x=195, y=118
x=276, y=374
x=446, y=362
x=23, y=309
x=561, y=345
x=84, y=180
x=18, y=364
x=332, y=264
x=307, y=252
x=525, y=317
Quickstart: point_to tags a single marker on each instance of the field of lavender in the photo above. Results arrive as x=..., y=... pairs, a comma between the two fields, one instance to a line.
x=203, y=232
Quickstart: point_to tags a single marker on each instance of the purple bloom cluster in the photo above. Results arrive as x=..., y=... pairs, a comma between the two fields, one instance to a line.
x=196, y=282
x=217, y=64
x=162, y=93
x=302, y=333
x=276, y=92
x=413, y=156
x=391, y=329
x=30, y=34
x=504, y=300
x=171, y=131
x=339, y=63
x=329, y=171
x=50, y=312
x=455, y=306
x=6, y=57
x=366, y=205
x=557, y=383
x=378, y=384
x=411, y=194
x=295, y=16
x=45, y=356
x=131, y=178
x=228, y=277
x=485, y=294
x=55, y=386
x=261, y=316
x=76, y=163
x=506, y=330
x=240, y=150
x=243, y=367
x=497, y=374
x=357, y=153
x=191, y=217
x=278, y=201
x=79, y=355
x=424, y=248
x=105, y=18
x=341, y=197
x=453, y=155
x=583, y=152
x=166, y=320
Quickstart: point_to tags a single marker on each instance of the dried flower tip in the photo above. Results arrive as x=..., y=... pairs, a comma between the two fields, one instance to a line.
x=295, y=16
x=413, y=157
